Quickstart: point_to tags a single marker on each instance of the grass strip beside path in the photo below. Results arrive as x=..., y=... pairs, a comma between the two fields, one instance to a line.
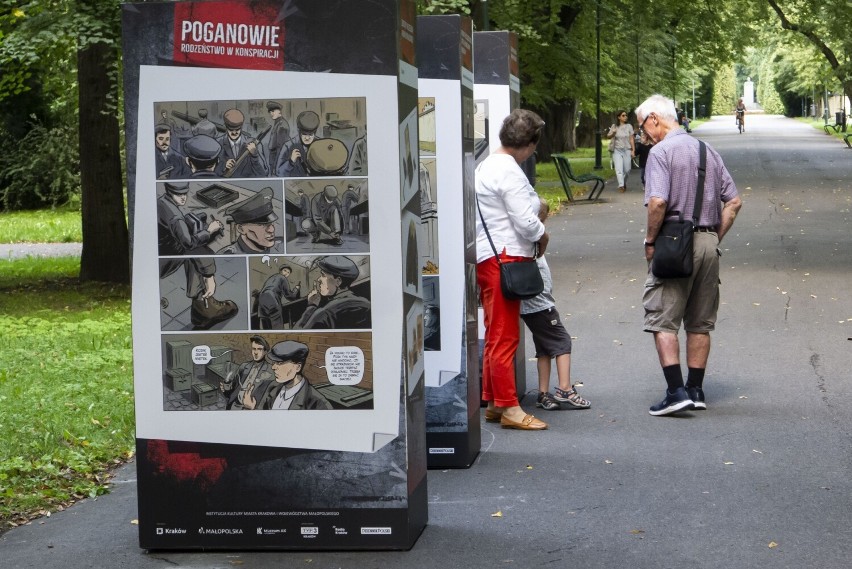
x=66, y=386
x=41, y=226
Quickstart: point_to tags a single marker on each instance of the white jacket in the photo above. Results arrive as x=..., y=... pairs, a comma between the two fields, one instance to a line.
x=509, y=205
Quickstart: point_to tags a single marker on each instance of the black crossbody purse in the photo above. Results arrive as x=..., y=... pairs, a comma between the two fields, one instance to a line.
x=519, y=280
x=673, y=245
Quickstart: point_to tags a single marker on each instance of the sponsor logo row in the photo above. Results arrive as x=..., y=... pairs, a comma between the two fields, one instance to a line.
x=306, y=531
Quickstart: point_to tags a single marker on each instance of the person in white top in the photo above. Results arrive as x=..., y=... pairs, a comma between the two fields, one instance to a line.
x=623, y=149
x=505, y=200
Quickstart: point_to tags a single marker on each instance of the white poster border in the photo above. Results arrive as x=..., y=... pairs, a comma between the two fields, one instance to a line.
x=338, y=430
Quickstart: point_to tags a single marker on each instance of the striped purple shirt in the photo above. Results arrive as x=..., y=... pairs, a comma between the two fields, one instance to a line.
x=671, y=174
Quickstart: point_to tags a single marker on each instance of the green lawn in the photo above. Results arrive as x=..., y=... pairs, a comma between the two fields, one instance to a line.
x=66, y=386
x=41, y=226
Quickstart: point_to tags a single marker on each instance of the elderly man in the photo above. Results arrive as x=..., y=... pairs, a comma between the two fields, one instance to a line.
x=671, y=175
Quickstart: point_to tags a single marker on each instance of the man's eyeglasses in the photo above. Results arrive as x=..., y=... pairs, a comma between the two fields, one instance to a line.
x=642, y=130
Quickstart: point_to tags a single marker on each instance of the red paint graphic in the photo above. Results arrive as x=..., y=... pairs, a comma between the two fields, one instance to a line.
x=236, y=35
x=185, y=466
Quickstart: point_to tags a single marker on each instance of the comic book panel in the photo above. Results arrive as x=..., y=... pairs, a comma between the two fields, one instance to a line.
x=260, y=138
x=310, y=292
x=327, y=215
x=267, y=372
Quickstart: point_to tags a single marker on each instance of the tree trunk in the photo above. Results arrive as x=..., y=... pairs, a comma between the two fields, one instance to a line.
x=106, y=250
x=560, y=118
x=586, y=130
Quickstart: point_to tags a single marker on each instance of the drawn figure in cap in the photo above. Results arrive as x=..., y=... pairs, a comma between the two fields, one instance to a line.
x=291, y=159
x=202, y=156
x=280, y=133
x=185, y=234
x=241, y=157
x=276, y=292
x=331, y=305
x=290, y=389
x=326, y=217
x=255, y=221
x=204, y=125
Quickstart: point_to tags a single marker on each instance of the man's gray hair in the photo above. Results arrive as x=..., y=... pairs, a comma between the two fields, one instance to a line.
x=661, y=106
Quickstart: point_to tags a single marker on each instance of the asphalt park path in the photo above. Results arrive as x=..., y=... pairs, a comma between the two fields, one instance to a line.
x=759, y=480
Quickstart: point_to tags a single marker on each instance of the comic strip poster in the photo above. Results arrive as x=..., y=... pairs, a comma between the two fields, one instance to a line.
x=269, y=290
x=448, y=257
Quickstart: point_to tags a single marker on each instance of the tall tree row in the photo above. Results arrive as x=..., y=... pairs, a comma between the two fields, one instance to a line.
x=60, y=88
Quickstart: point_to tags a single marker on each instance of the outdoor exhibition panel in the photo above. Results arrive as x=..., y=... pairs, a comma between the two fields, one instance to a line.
x=277, y=296
x=445, y=109
x=496, y=93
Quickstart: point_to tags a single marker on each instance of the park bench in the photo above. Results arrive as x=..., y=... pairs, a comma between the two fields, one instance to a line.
x=839, y=123
x=566, y=176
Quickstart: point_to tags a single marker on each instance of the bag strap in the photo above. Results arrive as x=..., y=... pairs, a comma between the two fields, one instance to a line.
x=487, y=234
x=702, y=170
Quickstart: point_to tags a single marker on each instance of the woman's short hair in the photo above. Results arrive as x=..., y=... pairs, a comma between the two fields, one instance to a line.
x=521, y=128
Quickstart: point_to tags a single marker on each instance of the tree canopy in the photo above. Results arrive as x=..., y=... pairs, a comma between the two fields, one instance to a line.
x=60, y=87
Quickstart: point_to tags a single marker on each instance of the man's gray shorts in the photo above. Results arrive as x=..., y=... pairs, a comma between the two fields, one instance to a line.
x=693, y=300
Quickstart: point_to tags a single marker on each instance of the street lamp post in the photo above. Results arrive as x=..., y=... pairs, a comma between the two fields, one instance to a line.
x=598, y=161
x=485, y=15
x=693, y=98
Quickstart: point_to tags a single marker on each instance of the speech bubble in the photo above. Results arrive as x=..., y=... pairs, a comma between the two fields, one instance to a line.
x=265, y=260
x=344, y=365
x=201, y=355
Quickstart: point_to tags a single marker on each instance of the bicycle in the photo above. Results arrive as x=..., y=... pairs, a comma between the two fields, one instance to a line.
x=740, y=126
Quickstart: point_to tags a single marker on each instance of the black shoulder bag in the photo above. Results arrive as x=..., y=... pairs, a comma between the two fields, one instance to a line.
x=673, y=245
x=519, y=280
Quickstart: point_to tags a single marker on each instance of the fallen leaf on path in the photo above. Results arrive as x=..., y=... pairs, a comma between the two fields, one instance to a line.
x=756, y=303
x=728, y=463
x=529, y=467
x=637, y=531
x=608, y=461
x=743, y=396
x=497, y=514
x=755, y=450
x=772, y=545
x=134, y=522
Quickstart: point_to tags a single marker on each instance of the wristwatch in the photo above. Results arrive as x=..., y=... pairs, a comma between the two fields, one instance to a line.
x=648, y=243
